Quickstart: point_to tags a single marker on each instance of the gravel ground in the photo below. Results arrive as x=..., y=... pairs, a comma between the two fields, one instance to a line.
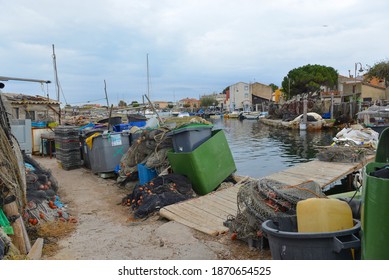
x=105, y=230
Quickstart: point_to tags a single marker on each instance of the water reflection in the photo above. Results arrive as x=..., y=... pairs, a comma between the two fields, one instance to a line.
x=260, y=150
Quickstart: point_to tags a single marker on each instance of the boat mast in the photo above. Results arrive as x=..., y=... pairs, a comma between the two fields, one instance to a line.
x=148, y=77
x=56, y=82
x=55, y=74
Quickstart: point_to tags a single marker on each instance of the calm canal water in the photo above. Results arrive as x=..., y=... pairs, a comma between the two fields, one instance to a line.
x=260, y=150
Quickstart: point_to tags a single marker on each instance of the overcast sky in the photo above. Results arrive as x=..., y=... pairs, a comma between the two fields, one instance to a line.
x=194, y=47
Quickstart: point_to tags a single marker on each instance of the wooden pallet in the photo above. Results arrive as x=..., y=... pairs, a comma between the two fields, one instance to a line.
x=207, y=213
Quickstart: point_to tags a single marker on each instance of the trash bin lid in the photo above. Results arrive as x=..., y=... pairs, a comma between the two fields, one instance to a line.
x=190, y=127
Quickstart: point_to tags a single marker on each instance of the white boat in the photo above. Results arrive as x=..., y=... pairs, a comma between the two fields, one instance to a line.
x=150, y=114
x=183, y=114
x=252, y=115
x=234, y=114
x=175, y=113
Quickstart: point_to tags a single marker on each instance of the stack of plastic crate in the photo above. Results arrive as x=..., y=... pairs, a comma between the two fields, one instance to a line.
x=67, y=146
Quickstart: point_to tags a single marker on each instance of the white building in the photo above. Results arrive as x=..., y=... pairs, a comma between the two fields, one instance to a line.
x=239, y=97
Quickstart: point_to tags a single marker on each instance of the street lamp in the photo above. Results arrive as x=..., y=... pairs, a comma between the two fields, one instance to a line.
x=355, y=82
x=355, y=75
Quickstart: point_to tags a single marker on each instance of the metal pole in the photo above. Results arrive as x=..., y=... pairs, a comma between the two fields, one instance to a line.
x=332, y=105
x=2, y=78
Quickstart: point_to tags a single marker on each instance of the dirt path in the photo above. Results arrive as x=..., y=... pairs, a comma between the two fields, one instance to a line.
x=105, y=232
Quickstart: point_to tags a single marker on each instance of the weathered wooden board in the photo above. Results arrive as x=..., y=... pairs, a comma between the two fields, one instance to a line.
x=205, y=213
x=36, y=250
x=324, y=173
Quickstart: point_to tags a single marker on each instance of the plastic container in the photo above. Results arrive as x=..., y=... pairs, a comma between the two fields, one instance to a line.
x=323, y=215
x=21, y=129
x=107, y=151
x=85, y=151
x=112, y=121
x=136, y=118
x=188, y=138
x=152, y=123
x=120, y=127
x=287, y=244
x=375, y=206
x=145, y=174
x=207, y=166
x=4, y=223
x=66, y=144
x=66, y=132
x=138, y=123
x=382, y=154
x=39, y=124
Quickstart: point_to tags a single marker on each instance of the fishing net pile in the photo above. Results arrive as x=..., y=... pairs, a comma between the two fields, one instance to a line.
x=350, y=145
x=261, y=200
x=43, y=203
x=161, y=191
x=12, y=181
x=150, y=149
x=344, y=153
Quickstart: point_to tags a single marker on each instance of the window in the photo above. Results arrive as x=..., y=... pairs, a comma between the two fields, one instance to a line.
x=16, y=113
x=30, y=115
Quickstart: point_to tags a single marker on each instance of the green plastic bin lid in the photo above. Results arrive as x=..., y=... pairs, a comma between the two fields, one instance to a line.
x=190, y=126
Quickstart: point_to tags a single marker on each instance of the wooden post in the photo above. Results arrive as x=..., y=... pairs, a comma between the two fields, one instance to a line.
x=351, y=108
x=303, y=124
x=332, y=105
x=20, y=238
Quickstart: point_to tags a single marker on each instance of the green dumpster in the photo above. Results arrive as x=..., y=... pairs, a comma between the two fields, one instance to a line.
x=206, y=166
x=375, y=205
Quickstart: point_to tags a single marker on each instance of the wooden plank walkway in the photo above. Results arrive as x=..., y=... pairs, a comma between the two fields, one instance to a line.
x=207, y=213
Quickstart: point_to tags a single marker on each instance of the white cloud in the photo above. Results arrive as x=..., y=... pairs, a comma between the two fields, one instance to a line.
x=192, y=45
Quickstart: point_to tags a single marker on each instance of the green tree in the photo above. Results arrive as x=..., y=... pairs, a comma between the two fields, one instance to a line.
x=273, y=87
x=380, y=70
x=207, y=101
x=308, y=79
x=134, y=104
x=186, y=105
x=122, y=103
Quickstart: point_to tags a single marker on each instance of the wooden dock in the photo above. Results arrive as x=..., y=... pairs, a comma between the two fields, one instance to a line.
x=207, y=213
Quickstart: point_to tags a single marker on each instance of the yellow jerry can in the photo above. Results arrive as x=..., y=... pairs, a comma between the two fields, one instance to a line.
x=323, y=215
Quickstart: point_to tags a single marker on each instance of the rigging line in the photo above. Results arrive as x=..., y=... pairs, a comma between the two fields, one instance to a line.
x=88, y=101
x=63, y=95
x=45, y=93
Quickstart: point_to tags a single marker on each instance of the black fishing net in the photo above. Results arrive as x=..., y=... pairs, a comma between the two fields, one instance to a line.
x=43, y=203
x=161, y=191
x=266, y=199
x=41, y=184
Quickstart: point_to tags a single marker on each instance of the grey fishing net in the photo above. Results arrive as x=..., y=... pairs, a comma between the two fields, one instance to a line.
x=260, y=200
